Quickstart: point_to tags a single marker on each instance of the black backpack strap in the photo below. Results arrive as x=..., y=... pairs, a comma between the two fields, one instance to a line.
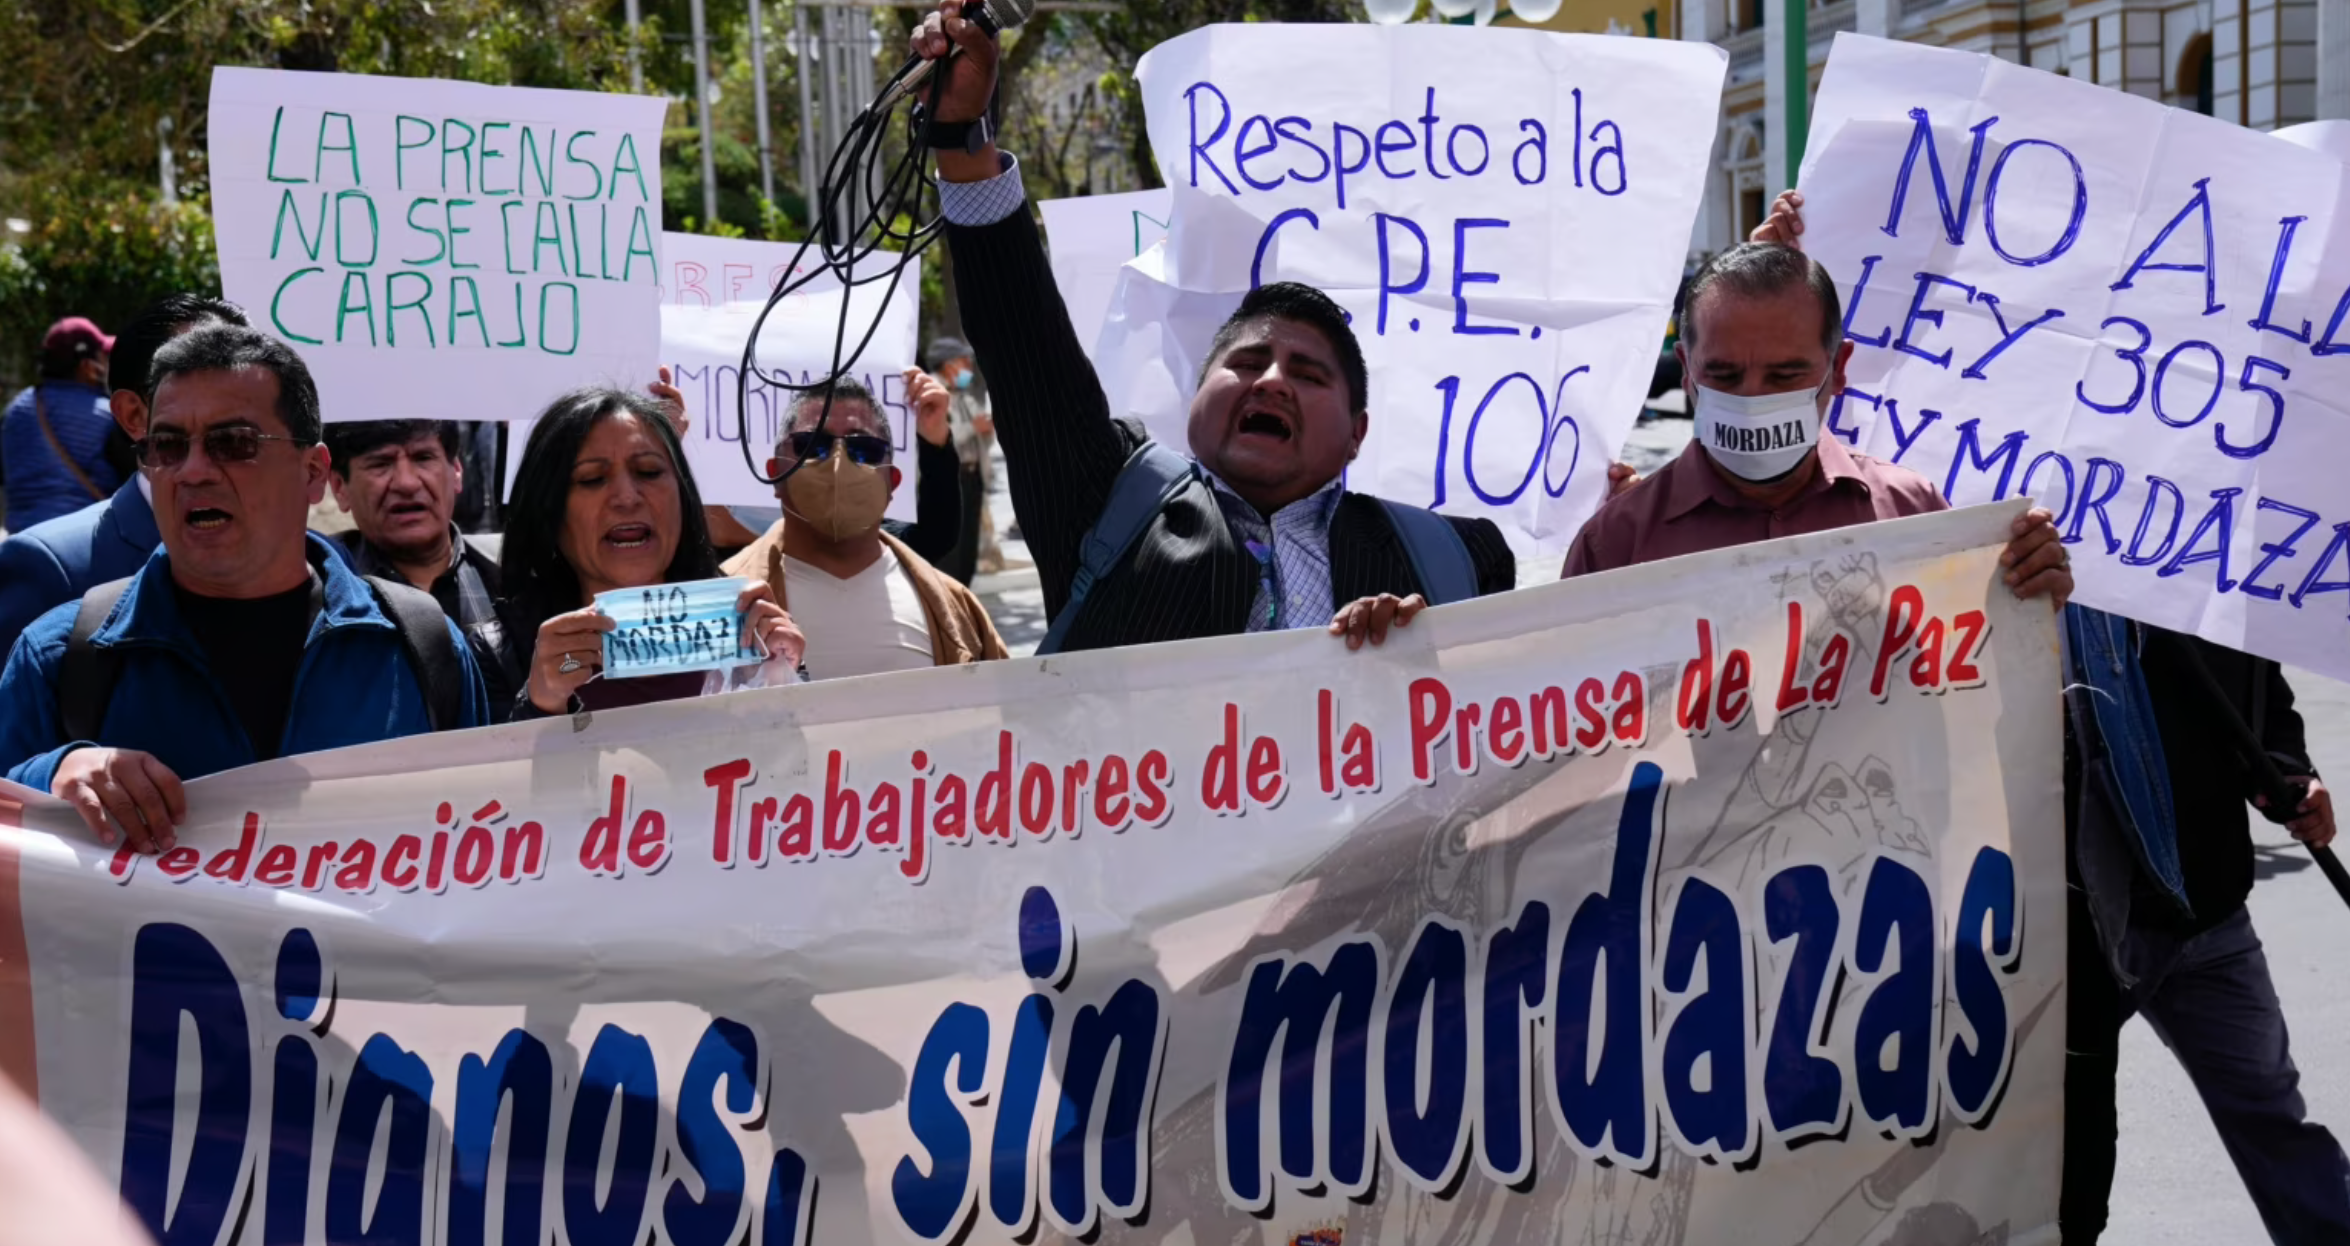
x=86, y=675
x=432, y=651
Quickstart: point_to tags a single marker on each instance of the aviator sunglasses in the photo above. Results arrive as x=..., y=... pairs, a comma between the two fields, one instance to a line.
x=815, y=446
x=236, y=443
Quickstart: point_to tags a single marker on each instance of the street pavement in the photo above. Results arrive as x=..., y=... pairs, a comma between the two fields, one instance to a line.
x=2174, y=1182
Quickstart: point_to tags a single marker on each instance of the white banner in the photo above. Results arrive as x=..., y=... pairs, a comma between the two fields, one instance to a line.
x=1091, y=239
x=1504, y=213
x=2126, y=311
x=1713, y=901
x=440, y=249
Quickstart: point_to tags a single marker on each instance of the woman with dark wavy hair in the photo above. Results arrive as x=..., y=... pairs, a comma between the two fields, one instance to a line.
x=604, y=500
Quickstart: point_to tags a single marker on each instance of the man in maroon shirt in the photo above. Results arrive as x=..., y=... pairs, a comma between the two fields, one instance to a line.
x=1762, y=344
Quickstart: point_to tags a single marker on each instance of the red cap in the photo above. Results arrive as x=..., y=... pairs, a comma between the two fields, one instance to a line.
x=76, y=337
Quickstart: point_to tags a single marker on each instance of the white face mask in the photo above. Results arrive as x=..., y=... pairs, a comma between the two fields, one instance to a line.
x=1760, y=438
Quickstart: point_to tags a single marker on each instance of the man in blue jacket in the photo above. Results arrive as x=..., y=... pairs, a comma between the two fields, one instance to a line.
x=57, y=437
x=59, y=560
x=244, y=638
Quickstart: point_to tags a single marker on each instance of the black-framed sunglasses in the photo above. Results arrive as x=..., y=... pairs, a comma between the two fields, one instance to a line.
x=235, y=443
x=864, y=449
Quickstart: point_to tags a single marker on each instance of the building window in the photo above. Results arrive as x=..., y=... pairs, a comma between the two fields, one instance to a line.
x=1750, y=212
x=1752, y=14
x=2195, y=75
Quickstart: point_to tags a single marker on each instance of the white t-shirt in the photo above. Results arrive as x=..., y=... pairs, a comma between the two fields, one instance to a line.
x=866, y=624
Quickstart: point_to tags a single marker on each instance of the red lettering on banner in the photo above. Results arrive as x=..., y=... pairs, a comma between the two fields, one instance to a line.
x=1073, y=780
x=797, y=842
x=179, y=864
x=599, y=849
x=1151, y=778
x=648, y=842
x=993, y=817
x=1111, y=809
x=230, y=865
x=357, y=874
x=728, y=780
x=843, y=808
x=277, y=866
x=882, y=827
x=1036, y=800
x=400, y=861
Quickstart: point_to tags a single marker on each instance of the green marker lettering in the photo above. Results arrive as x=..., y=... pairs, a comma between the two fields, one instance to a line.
x=274, y=123
x=393, y=307
x=506, y=227
x=275, y=299
x=489, y=153
x=473, y=310
x=309, y=244
x=402, y=145
x=604, y=241
x=543, y=161
x=578, y=262
x=557, y=285
x=521, y=336
x=548, y=232
x=449, y=218
x=638, y=228
x=633, y=168
x=464, y=149
x=374, y=229
x=350, y=145
x=440, y=244
x=344, y=307
x=571, y=156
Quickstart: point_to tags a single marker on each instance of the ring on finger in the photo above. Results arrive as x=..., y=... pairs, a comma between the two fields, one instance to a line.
x=571, y=663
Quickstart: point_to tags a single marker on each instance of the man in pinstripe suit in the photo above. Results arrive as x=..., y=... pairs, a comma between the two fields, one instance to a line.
x=1263, y=537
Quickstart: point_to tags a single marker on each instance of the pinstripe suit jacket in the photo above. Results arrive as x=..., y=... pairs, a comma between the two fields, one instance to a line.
x=1188, y=576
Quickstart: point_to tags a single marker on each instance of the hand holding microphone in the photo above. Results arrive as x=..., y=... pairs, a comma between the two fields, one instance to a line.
x=969, y=51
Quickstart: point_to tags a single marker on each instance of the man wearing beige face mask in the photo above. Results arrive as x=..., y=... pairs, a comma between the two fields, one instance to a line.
x=867, y=603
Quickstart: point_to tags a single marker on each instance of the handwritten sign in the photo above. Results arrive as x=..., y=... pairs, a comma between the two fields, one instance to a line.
x=712, y=289
x=1502, y=212
x=440, y=248
x=693, y=626
x=2131, y=313
x=1092, y=238
x=711, y=293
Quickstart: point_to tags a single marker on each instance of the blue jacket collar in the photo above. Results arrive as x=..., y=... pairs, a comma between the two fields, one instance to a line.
x=149, y=612
x=133, y=517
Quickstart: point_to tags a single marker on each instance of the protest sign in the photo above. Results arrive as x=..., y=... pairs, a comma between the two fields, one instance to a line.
x=1503, y=213
x=1712, y=901
x=1092, y=237
x=2129, y=312
x=711, y=292
x=440, y=250
x=693, y=626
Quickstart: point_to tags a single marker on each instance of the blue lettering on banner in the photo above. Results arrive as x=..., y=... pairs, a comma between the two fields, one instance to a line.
x=388, y=1178
x=1712, y=1042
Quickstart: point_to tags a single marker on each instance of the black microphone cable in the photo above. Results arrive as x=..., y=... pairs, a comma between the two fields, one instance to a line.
x=844, y=237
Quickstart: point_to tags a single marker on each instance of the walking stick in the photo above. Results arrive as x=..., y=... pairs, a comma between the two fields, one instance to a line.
x=2281, y=797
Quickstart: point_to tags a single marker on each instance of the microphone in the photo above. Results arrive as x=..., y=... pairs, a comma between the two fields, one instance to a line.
x=991, y=16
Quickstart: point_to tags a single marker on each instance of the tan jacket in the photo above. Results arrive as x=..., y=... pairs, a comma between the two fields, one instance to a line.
x=960, y=630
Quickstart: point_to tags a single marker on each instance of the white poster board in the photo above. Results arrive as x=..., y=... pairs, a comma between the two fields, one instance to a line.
x=437, y=249
x=2131, y=313
x=1504, y=214
x=1091, y=239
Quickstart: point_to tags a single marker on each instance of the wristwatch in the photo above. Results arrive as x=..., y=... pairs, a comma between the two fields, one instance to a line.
x=968, y=137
